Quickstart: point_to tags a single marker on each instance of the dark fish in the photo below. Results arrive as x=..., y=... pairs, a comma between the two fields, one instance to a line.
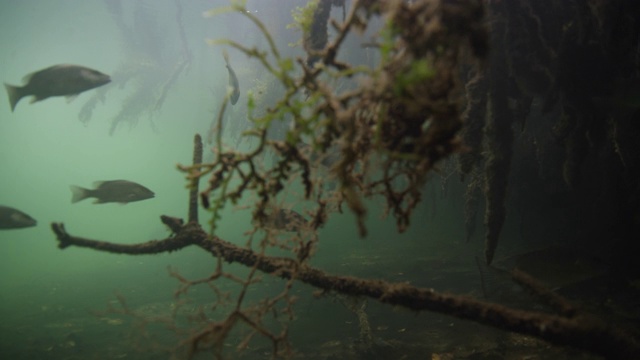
x=58, y=80
x=120, y=191
x=233, y=80
x=286, y=220
x=11, y=218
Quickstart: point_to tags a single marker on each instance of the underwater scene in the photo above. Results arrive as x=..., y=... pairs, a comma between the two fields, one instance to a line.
x=320, y=179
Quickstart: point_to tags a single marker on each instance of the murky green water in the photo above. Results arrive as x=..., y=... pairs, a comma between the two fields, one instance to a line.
x=63, y=304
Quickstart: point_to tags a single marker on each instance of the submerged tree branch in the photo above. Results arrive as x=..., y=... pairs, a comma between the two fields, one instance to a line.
x=409, y=116
x=193, y=186
x=580, y=331
x=150, y=247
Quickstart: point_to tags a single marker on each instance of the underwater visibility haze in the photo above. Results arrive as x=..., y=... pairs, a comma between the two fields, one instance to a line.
x=370, y=180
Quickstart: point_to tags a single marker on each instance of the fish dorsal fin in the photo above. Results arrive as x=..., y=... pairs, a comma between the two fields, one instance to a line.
x=96, y=184
x=27, y=78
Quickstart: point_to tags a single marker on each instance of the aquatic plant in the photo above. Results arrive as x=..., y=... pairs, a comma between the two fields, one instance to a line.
x=303, y=17
x=148, y=64
x=399, y=120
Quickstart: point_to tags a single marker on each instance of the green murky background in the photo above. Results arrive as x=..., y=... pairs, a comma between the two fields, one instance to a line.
x=53, y=303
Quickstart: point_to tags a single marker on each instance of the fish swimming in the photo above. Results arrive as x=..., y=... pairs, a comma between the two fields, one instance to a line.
x=233, y=80
x=11, y=218
x=118, y=191
x=58, y=80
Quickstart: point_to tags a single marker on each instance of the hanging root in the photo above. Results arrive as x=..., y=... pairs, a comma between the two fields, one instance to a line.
x=499, y=144
x=471, y=204
x=474, y=119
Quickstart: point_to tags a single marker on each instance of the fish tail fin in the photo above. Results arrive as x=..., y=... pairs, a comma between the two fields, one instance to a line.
x=225, y=54
x=15, y=94
x=78, y=193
